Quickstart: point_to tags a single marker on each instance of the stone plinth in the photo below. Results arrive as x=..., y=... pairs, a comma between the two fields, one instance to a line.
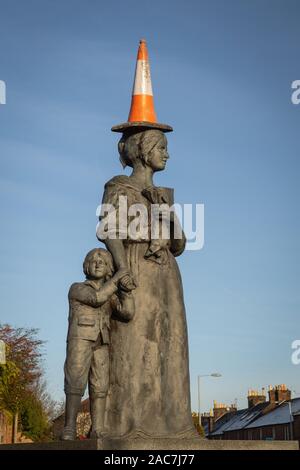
x=155, y=444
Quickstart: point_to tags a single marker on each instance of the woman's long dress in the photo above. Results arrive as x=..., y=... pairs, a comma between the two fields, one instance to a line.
x=149, y=391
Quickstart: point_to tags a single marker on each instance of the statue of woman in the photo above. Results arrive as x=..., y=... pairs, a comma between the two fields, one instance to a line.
x=149, y=391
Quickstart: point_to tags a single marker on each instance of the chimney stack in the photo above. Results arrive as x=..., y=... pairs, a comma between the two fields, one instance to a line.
x=255, y=397
x=207, y=419
x=279, y=393
x=219, y=410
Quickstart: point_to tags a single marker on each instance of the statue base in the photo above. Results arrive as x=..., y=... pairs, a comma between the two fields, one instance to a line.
x=193, y=444
x=154, y=444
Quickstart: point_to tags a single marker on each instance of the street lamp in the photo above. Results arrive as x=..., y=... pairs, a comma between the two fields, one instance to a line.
x=291, y=421
x=214, y=374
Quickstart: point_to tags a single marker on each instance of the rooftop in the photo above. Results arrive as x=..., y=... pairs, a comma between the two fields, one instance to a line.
x=255, y=417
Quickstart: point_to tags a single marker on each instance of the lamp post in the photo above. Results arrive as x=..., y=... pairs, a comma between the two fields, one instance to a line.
x=291, y=420
x=214, y=374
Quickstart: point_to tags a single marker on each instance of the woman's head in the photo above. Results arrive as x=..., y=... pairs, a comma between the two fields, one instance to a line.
x=148, y=148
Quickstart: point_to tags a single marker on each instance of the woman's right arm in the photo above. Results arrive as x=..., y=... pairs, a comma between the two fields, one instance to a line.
x=116, y=248
x=115, y=244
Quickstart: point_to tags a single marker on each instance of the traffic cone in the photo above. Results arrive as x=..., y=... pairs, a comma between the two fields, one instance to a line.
x=142, y=113
x=142, y=103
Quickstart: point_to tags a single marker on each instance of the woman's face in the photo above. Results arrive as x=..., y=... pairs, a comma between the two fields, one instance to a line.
x=158, y=156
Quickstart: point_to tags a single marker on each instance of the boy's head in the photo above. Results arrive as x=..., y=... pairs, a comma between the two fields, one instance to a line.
x=98, y=264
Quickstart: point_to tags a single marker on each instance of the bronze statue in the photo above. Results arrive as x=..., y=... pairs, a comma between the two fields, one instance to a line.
x=92, y=303
x=149, y=391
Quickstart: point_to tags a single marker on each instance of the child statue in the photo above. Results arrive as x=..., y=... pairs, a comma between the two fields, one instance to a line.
x=91, y=304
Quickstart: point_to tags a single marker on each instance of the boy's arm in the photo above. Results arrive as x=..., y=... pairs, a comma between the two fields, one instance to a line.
x=106, y=291
x=123, y=305
x=94, y=298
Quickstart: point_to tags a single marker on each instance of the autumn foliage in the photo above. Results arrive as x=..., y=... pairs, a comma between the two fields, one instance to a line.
x=22, y=392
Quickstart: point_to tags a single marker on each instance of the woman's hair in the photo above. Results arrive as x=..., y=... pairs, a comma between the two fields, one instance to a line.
x=138, y=146
x=104, y=255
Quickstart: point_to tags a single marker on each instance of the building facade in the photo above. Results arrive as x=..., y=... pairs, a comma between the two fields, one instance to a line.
x=275, y=419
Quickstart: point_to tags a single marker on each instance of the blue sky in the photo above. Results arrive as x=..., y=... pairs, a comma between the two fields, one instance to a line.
x=222, y=74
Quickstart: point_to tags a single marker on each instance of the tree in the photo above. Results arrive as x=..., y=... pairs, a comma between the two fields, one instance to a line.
x=50, y=406
x=9, y=402
x=21, y=377
x=35, y=424
x=200, y=429
x=24, y=349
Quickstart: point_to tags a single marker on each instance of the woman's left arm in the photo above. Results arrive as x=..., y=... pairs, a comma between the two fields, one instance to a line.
x=177, y=236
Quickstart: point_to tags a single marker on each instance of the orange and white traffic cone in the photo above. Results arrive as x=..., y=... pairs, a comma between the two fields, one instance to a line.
x=142, y=113
x=142, y=103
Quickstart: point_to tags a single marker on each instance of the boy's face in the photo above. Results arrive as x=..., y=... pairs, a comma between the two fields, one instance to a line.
x=97, y=267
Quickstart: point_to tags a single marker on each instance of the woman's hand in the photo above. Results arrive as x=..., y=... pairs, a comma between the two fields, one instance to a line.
x=125, y=280
x=127, y=283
